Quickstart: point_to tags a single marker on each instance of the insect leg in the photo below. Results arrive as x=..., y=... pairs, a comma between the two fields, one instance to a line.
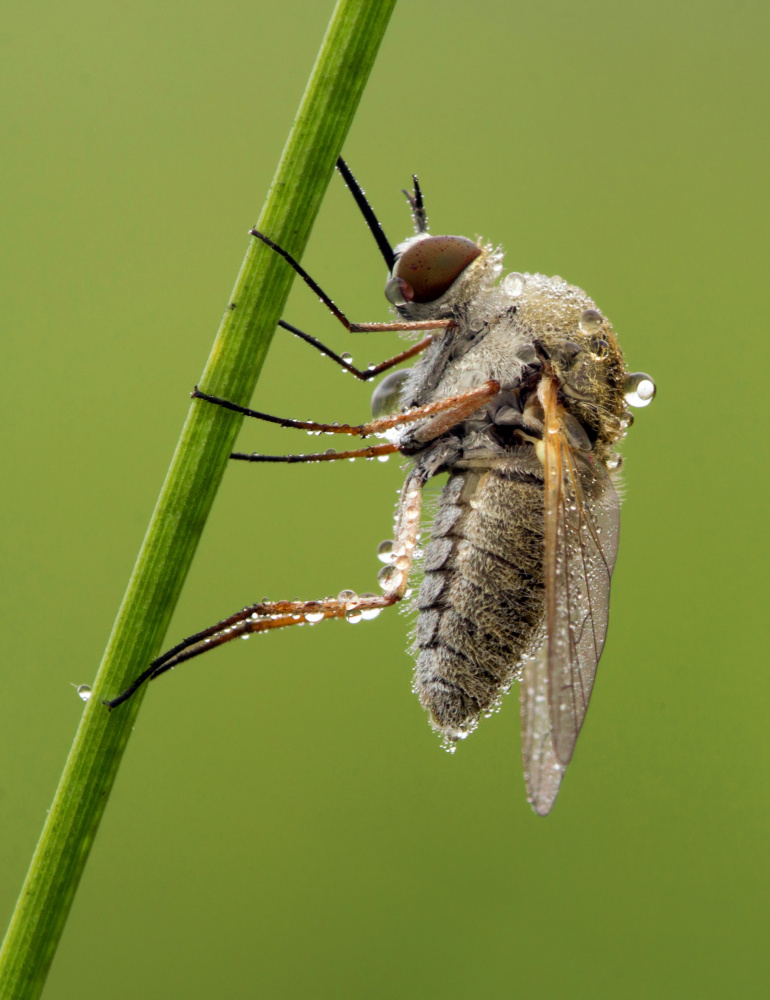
x=457, y=409
x=370, y=372
x=303, y=425
x=375, y=228
x=268, y=615
x=329, y=456
x=429, y=324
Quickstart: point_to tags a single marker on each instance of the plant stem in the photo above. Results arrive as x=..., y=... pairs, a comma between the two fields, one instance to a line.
x=261, y=289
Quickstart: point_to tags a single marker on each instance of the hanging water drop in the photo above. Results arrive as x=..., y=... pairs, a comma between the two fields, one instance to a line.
x=385, y=551
x=389, y=578
x=639, y=389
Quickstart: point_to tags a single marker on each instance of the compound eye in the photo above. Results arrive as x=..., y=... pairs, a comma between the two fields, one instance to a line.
x=431, y=266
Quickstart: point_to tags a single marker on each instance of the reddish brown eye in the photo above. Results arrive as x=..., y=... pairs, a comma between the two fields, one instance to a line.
x=432, y=265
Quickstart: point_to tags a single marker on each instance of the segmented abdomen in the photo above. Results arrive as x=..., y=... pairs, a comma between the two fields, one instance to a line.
x=481, y=603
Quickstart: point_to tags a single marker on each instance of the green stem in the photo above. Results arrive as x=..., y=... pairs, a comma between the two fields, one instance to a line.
x=261, y=289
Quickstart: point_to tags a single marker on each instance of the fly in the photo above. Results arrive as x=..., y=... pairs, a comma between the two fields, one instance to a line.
x=520, y=394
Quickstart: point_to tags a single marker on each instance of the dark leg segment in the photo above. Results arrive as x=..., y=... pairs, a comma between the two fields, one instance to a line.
x=455, y=408
x=370, y=372
x=369, y=217
x=328, y=456
x=430, y=324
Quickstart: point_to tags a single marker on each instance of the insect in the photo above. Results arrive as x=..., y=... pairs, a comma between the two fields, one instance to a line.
x=520, y=394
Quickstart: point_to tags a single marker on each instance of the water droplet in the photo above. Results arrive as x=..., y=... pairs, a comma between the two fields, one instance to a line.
x=385, y=551
x=311, y=617
x=84, y=691
x=387, y=395
x=347, y=596
x=347, y=358
x=590, y=321
x=353, y=616
x=639, y=389
x=246, y=635
x=383, y=458
x=389, y=577
x=513, y=283
x=613, y=462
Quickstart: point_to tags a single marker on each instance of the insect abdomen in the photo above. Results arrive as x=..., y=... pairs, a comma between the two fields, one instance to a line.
x=481, y=603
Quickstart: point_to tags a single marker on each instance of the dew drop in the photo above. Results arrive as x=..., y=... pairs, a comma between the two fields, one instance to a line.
x=613, y=462
x=347, y=596
x=387, y=394
x=599, y=347
x=639, y=389
x=385, y=551
x=246, y=635
x=513, y=283
x=590, y=321
x=311, y=617
x=389, y=577
x=347, y=358
x=353, y=616
x=383, y=458
x=84, y=691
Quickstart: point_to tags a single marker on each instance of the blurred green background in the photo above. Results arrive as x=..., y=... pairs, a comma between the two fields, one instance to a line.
x=285, y=824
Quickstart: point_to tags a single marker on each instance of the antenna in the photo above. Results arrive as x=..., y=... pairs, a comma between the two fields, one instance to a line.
x=418, y=207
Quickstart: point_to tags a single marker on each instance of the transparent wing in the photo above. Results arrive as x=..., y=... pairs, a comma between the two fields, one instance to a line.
x=542, y=770
x=581, y=540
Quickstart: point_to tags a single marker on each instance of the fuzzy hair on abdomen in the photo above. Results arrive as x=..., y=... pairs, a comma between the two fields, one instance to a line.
x=481, y=602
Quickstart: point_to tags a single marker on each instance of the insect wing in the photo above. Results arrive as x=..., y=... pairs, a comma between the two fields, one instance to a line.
x=542, y=770
x=581, y=540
